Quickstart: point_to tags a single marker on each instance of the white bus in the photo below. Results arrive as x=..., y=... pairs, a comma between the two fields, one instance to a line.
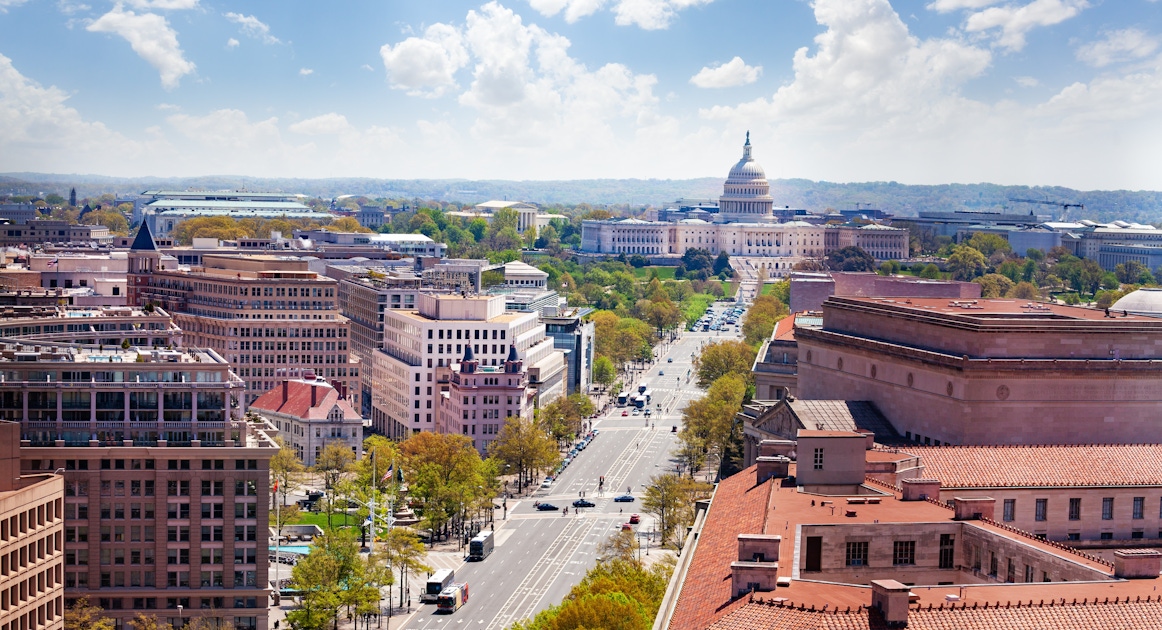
x=481, y=546
x=438, y=581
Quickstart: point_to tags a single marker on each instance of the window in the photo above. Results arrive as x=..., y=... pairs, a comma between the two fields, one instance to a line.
x=947, y=551
x=1075, y=509
x=857, y=554
x=1139, y=507
x=904, y=552
x=818, y=459
x=1010, y=508
x=1040, y=508
x=1107, y=509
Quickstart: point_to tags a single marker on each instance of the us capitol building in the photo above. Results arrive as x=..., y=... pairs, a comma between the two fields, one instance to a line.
x=746, y=226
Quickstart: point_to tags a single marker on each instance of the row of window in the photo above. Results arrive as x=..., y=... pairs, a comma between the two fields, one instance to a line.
x=30, y=520
x=903, y=552
x=1041, y=509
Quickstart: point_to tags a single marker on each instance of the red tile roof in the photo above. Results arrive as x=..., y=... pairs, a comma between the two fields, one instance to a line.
x=1027, y=615
x=1042, y=466
x=306, y=400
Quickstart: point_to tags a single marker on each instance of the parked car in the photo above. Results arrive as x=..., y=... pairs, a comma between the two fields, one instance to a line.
x=634, y=519
x=580, y=503
x=625, y=498
x=624, y=413
x=548, y=482
x=547, y=507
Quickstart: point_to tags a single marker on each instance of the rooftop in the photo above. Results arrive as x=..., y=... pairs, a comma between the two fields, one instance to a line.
x=1042, y=466
x=307, y=400
x=985, y=311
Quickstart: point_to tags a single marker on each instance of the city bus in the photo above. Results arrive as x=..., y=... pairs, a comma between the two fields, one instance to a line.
x=436, y=584
x=452, y=598
x=481, y=546
x=642, y=387
x=640, y=401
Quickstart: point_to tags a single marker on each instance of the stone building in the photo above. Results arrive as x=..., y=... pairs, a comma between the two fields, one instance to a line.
x=480, y=399
x=309, y=415
x=989, y=371
x=270, y=316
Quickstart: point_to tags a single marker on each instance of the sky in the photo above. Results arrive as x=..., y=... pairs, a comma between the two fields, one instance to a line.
x=1033, y=92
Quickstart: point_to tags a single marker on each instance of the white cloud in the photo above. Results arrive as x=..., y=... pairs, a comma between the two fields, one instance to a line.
x=232, y=43
x=426, y=66
x=326, y=124
x=305, y=72
x=647, y=14
x=1027, y=82
x=1016, y=21
x=151, y=38
x=163, y=4
x=730, y=74
x=1125, y=45
x=946, y=6
x=253, y=27
x=42, y=132
x=7, y=4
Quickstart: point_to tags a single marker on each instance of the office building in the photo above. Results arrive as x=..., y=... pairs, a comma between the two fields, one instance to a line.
x=101, y=326
x=167, y=209
x=46, y=231
x=413, y=369
x=573, y=335
x=270, y=316
x=480, y=398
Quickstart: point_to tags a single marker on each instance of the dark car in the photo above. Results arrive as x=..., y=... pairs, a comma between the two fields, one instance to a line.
x=547, y=507
x=625, y=498
x=580, y=503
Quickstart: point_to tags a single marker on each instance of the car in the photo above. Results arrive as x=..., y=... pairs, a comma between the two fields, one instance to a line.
x=547, y=507
x=634, y=519
x=626, y=527
x=548, y=482
x=624, y=413
x=661, y=372
x=669, y=359
x=625, y=498
x=580, y=503
x=647, y=412
x=636, y=411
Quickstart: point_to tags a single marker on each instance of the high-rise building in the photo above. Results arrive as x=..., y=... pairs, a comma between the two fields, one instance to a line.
x=573, y=335
x=270, y=316
x=165, y=483
x=413, y=369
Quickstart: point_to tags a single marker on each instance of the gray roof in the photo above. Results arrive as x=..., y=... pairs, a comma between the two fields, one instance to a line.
x=844, y=415
x=144, y=239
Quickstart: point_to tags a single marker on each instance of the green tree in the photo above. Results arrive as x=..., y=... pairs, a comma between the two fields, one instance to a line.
x=989, y=244
x=286, y=472
x=930, y=271
x=334, y=460
x=994, y=285
x=722, y=358
x=850, y=258
x=1024, y=291
x=966, y=263
x=603, y=371
x=670, y=499
x=405, y=553
x=142, y=621
x=709, y=421
x=761, y=317
x=445, y=474
x=83, y=616
x=524, y=446
x=620, y=545
x=346, y=224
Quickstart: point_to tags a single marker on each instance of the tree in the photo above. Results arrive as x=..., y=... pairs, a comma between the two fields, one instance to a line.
x=445, y=474
x=670, y=499
x=722, y=263
x=1024, y=291
x=141, y=621
x=930, y=271
x=994, y=285
x=603, y=371
x=966, y=263
x=379, y=454
x=346, y=224
x=283, y=516
x=761, y=318
x=524, y=446
x=83, y=616
x=709, y=421
x=317, y=577
x=722, y=358
x=850, y=258
x=404, y=552
x=331, y=463
x=108, y=217
x=1131, y=272
x=696, y=259
x=620, y=545
x=286, y=470
x=989, y=244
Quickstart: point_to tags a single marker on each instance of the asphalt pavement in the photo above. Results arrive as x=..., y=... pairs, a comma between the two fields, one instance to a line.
x=540, y=556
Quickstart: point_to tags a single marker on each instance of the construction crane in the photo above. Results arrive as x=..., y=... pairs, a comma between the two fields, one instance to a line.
x=1064, y=206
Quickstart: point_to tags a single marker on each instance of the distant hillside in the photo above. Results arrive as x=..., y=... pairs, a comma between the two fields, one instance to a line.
x=900, y=199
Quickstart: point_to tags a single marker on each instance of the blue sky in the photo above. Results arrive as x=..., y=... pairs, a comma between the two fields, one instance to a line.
x=1038, y=92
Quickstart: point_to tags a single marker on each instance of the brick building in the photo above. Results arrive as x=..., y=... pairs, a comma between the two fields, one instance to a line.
x=309, y=415
x=989, y=371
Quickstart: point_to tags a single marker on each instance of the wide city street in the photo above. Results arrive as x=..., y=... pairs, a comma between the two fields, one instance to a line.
x=540, y=555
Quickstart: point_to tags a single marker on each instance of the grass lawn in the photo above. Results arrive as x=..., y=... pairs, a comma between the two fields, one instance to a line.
x=320, y=519
x=664, y=273
x=730, y=288
x=767, y=289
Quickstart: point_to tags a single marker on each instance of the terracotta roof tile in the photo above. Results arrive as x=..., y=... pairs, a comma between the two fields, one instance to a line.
x=293, y=398
x=1042, y=466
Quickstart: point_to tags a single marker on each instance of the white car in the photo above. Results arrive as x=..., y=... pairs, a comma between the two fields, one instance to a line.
x=547, y=483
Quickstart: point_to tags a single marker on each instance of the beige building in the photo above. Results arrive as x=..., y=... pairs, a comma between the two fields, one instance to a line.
x=309, y=415
x=269, y=316
x=989, y=371
x=413, y=369
x=775, y=367
x=32, y=524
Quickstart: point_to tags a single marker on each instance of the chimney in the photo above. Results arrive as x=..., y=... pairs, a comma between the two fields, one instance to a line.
x=314, y=394
x=285, y=390
x=776, y=466
x=891, y=598
x=920, y=489
x=973, y=508
x=1132, y=564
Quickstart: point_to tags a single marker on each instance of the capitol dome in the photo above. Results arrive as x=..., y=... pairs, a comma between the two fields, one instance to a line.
x=746, y=195
x=1146, y=302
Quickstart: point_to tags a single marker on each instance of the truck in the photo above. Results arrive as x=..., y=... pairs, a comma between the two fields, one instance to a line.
x=436, y=584
x=452, y=598
x=481, y=546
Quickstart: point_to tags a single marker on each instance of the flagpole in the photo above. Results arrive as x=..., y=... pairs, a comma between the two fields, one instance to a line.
x=277, y=541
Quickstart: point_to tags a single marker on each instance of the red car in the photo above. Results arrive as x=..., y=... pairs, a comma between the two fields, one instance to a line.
x=634, y=519
x=625, y=413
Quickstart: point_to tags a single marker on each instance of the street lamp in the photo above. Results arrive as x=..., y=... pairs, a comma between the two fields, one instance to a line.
x=181, y=622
